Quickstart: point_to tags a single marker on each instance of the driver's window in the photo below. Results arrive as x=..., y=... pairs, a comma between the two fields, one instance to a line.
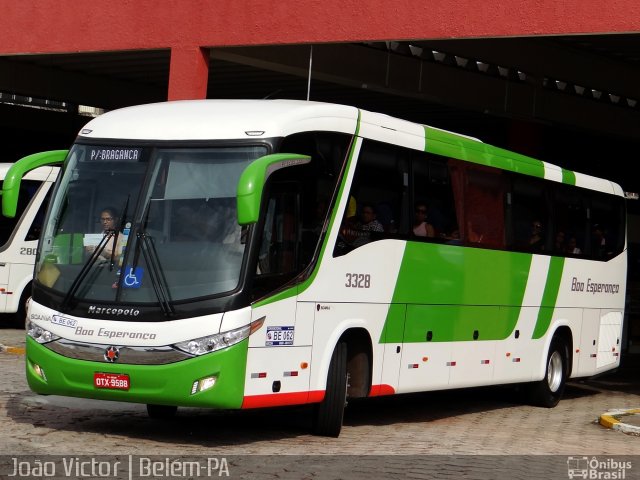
x=280, y=240
x=279, y=245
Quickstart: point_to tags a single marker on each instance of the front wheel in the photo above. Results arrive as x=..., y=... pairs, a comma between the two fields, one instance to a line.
x=548, y=391
x=329, y=413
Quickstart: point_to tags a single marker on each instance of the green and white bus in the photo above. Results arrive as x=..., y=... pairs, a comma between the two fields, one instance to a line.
x=19, y=240
x=270, y=253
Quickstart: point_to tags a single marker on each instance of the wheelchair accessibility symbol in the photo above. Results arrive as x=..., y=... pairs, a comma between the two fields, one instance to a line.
x=133, y=278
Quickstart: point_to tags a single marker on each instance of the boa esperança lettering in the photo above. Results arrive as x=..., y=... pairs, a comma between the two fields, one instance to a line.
x=594, y=287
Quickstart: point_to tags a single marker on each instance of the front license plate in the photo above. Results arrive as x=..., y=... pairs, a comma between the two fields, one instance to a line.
x=112, y=381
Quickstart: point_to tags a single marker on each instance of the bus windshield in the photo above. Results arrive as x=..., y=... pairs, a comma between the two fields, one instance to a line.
x=145, y=225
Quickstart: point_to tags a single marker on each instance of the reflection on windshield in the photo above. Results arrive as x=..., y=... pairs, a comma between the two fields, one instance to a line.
x=180, y=201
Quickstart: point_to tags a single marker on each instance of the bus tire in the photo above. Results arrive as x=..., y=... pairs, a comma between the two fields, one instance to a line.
x=329, y=413
x=161, y=411
x=20, y=317
x=548, y=391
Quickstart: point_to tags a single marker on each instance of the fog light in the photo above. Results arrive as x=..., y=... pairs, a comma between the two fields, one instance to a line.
x=39, y=371
x=203, y=384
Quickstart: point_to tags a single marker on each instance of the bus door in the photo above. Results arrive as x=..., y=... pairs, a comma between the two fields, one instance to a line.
x=277, y=353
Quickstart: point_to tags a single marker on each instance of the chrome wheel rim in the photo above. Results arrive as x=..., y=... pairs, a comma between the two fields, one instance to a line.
x=554, y=371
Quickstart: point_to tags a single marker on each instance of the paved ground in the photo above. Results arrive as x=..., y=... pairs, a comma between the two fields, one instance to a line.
x=454, y=424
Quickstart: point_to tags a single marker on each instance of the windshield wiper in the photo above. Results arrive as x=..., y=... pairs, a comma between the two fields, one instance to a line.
x=145, y=245
x=156, y=273
x=85, y=269
x=109, y=234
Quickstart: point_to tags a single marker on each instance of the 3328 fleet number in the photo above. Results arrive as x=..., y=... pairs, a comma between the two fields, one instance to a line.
x=358, y=280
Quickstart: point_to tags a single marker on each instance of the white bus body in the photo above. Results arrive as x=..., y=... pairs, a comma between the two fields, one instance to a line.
x=19, y=238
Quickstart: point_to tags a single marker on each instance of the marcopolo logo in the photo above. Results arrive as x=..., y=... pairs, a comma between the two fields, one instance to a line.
x=597, y=469
x=117, y=311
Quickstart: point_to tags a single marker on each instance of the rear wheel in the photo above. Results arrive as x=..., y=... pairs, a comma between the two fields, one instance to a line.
x=161, y=411
x=548, y=391
x=329, y=413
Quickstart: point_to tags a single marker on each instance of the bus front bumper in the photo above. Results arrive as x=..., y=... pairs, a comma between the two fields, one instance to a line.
x=172, y=384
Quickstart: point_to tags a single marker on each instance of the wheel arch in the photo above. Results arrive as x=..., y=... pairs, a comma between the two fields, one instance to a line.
x=359, y=358
x=563, y=331
x=566, y=334
x=359, y=361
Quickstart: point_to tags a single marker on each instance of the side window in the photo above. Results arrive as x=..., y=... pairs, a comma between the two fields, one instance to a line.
x=480, y=197
x=296, y=208
x=28, y=189
x=570, y=221
x=38, y=221
x=317, y=181
x=607, y=226
x=529, y=215
x=484, y=202
x=279, y=245
x=434, y=211
x=378, y=200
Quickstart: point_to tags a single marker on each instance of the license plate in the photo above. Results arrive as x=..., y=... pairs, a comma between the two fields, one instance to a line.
x=279, y=335
x=112, y=381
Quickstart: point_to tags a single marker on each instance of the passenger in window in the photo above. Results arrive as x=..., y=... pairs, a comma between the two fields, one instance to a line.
x=572, y=247
x=601, y=247
x=349, y=225
x=559, y=246
x=346, y=234
x=368, y=224
x=454, y=238
x=536, y=241
x=421, y=227
x=360, y=232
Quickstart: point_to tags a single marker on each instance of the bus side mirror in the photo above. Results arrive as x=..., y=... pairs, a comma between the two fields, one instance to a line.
x=11, y=184
x=253, y=179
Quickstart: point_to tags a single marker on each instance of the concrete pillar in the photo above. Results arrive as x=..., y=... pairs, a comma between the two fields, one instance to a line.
x=188, y=73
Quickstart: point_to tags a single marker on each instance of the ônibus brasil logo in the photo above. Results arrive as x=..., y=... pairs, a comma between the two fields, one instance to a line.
x=594, y=468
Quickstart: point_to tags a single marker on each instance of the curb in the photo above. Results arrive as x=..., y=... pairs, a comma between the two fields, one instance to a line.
x=12, y=350
x=612, y=419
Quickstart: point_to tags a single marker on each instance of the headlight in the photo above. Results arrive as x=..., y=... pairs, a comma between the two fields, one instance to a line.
x=211, y=343
x=39, y=334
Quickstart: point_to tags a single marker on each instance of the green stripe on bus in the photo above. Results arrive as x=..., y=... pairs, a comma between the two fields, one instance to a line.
x=451, y=145
x=568, y=177
x=454, y=291
x=549, y=297
x=393, y=330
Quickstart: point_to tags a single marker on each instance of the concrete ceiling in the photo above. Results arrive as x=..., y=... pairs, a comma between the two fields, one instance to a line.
x=589, y=85
x=548, y=79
